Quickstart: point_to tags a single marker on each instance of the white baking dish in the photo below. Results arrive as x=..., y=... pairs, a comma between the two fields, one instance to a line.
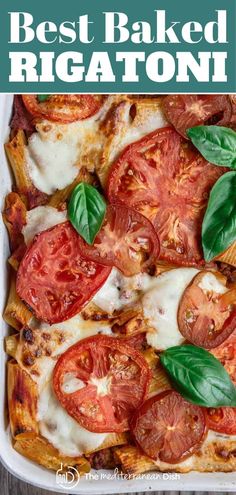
x=34, y=474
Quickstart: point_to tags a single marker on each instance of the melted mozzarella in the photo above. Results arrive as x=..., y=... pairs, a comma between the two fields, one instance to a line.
x=119, y=291
x=76, y=328
x=145, y=121
x=187, y=464
x=214, y=436
x=160, y=306
x=41, y=218
x=52, y=162
x=62, y=430
x=108, y=297
x=59, y=337
x=210, y=283
x=56, y=152
x=148, y=117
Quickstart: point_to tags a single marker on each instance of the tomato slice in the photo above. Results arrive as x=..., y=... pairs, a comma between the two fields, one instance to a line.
x=54, y=279
x=163, y=177
x=169, y=428
x=226, y=353
x=126, y=240
x=206, y=317
x=185, y=111
x=137, y=341
x=63, y=108
x=223, y=419
x=112, y=378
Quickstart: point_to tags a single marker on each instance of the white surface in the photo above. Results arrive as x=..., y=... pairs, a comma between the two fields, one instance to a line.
x=29, y=471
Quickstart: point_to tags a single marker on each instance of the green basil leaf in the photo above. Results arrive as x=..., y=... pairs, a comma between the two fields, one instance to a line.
x=86, y=211
x=217, y=144
x=219, y=223
x=198, y=376
x=42, y=98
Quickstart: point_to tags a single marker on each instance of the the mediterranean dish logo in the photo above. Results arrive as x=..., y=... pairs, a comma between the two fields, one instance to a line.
x=159, y=48
x=69, y=477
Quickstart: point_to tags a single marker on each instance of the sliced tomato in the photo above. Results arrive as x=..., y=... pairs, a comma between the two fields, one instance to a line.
x=169, y=428
x=54, y=279
x=223, y=419
x=137, y=340
x=207, y=317
x=63, y=108
x=226, y=353
x=112, y=377
x=163, y=177
x=126, y=240
x=185, y=111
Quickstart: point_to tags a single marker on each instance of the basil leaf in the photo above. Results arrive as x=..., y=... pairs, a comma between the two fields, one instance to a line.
x=86, y=211
x=217, y=144
x=198, y=376
x=42, y=98
x=219, y=223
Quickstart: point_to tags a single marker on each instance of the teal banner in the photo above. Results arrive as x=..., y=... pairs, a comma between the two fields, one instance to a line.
x=153, y=46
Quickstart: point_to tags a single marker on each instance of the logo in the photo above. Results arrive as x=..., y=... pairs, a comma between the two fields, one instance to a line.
x=67, y=477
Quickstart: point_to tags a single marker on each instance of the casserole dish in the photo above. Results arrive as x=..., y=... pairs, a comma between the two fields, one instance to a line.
x=104, y=482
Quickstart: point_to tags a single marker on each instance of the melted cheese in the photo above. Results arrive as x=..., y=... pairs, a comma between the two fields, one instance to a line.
x=49, y=341
x=214, y=436
x=39, y=219
x=108, y=297
x=62, y=430
x=119, y=291
x=210, y=283
x=145, y=121
x=56, y=152
x=187, y=464
x=148, y=117
x=160, y=306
